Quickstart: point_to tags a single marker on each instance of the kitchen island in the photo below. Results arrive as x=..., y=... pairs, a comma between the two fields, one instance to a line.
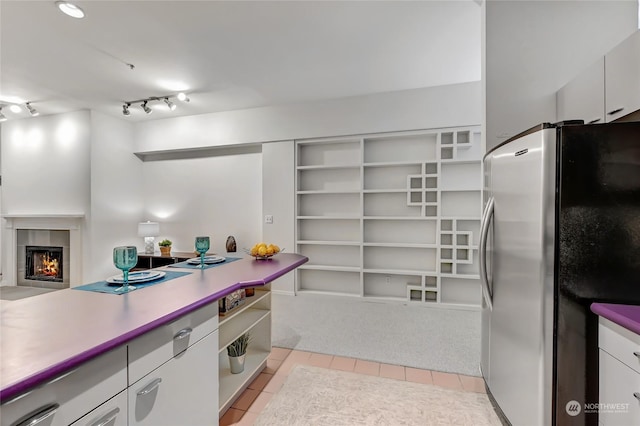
x=49, y=339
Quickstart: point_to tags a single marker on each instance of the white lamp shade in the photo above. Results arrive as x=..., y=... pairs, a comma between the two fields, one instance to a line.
x=148, y=229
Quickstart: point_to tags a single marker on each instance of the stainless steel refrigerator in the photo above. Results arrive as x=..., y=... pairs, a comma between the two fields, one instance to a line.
x=560, y=230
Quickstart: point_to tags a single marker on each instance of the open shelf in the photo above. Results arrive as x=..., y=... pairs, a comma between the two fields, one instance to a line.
x=242, y=323
x=254, y=363
x=253, y=317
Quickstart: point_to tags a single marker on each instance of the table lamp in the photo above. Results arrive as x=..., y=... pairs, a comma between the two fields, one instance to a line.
x=148, y=230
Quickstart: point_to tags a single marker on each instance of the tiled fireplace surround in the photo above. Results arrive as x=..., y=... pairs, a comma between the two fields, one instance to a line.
x=43, y=230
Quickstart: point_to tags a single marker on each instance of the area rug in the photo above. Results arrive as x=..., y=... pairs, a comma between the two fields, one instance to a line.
x=313, y=396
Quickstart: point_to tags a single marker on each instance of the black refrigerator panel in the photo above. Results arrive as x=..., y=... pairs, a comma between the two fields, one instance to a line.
x=598, y=250
x=599, y=212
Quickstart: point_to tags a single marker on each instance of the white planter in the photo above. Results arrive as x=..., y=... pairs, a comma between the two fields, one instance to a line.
x=236, y=363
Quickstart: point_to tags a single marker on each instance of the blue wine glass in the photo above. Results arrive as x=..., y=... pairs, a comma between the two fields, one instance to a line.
x=202, y=245
x=125, y=258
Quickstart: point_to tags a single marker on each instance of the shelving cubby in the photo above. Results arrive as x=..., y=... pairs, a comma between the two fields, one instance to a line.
x=391, y=216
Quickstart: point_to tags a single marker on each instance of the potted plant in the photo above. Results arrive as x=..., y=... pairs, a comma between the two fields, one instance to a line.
x=237, y=351
x=165, y=247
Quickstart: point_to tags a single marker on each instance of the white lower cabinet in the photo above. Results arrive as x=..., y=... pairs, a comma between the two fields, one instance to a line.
x=70, y=396
x=182, y=391
x=619, y=374
x=111, y=413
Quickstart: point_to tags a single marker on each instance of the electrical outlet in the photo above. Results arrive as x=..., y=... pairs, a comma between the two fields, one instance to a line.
x=387, y=280
x=268, y=218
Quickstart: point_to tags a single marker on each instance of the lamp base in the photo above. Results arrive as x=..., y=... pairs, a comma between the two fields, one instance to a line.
x=148, y=245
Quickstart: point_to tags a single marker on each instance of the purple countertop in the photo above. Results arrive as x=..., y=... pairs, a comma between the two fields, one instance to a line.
x=627, y=316
x=46, y=335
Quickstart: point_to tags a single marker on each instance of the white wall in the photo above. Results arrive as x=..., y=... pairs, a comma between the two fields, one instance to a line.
x=116, y=195
x=533, y=48
x=442, y=106
x=278, y=189
x=45, y=164
x=214, y=196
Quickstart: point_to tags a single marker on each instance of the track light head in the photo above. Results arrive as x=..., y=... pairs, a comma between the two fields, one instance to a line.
x=2, y=116
x=182, y=97
x=146, y=108
x=32, y=110
x=170, y=104
x=125, y=109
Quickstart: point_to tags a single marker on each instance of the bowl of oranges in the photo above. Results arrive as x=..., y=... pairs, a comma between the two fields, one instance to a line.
x=263, y=251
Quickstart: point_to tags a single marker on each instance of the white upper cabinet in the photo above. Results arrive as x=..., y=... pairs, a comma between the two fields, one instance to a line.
x=607, y=90
x=583, y=97
x=622, y=78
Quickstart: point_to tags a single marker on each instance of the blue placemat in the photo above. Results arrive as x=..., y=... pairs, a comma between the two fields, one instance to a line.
x=104, y=287
x=212, y=265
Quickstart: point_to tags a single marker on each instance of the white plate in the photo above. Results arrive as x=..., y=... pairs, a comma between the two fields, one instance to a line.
x=207, y=260
x=136, y=277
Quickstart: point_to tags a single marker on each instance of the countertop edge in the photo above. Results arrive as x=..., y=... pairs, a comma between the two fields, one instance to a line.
x=41, y=377
x=627, y=316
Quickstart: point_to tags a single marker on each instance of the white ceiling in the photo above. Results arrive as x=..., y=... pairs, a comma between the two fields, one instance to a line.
x=230, y=54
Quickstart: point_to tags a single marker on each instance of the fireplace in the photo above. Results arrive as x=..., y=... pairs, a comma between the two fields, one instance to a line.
x=44, y=263
x=44, y=235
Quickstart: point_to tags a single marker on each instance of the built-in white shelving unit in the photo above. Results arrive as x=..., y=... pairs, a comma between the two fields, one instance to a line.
x=253, y=317
x=392, y=216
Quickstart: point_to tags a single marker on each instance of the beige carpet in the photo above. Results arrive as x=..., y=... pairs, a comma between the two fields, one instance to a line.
x=313, y=396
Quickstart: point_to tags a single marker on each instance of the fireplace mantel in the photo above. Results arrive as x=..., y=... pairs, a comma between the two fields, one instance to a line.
x=72, y=222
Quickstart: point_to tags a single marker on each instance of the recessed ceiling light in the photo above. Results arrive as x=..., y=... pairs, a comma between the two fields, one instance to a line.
x=15, y=108
x=70, y=9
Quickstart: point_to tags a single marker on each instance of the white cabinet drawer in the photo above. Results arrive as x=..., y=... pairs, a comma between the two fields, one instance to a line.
x=183, y=391
x=619, y=342
x=111, y=413
x=153, y=349
x=618, y=383
x=72, y=395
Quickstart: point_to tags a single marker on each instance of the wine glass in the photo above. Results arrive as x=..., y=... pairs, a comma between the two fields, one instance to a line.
x=125, y=258
x=202, y=245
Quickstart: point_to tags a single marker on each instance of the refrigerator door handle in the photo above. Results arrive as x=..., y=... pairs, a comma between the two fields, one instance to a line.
x=487, y=217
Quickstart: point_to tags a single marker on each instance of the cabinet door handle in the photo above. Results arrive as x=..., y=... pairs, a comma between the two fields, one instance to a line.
x=104, y=420
x=150, y=387
x=40, y=415
x=615, y=111
x=637, y=395
x=185, y=332
x=594, y=121
x=636, y=353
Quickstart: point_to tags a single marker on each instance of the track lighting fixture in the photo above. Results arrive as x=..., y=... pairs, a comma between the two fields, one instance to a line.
x=143, y=103
x=146, y=108
x=32, y=110
x=170, y=104
x=17, y=109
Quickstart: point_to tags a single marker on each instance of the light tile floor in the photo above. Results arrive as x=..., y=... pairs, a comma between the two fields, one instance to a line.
x=249, y=405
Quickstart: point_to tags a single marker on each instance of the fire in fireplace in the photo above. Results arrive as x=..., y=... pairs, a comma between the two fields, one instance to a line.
x=44, y=263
